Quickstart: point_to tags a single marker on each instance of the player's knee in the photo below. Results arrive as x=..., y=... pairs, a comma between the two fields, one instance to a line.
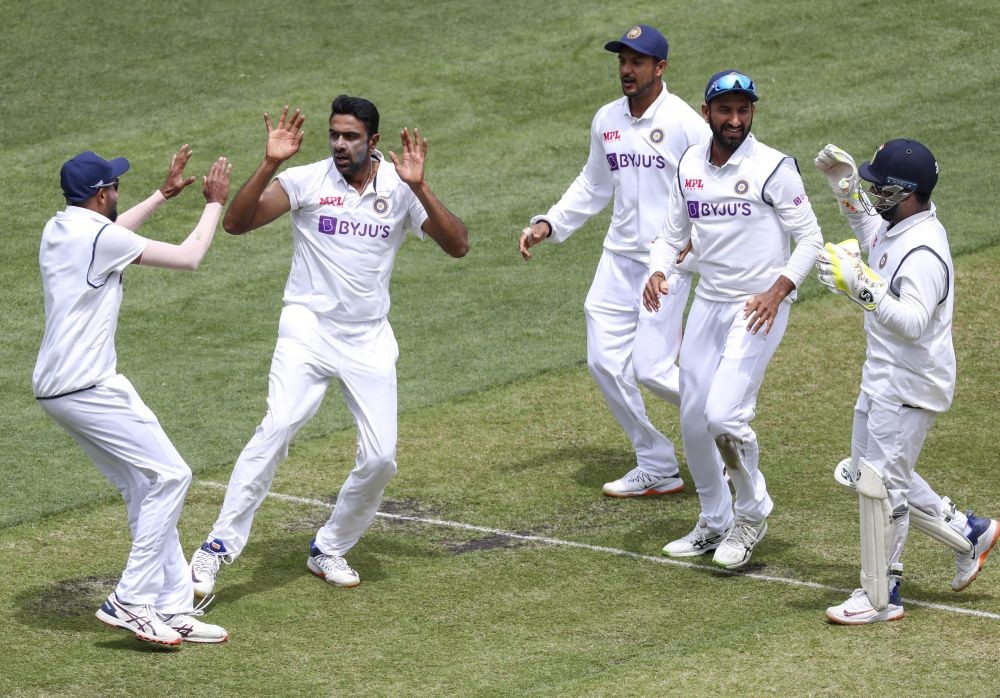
x=381, y=467
x=722, y=423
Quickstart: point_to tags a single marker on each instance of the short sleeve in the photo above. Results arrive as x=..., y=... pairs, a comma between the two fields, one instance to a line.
x=289, y=183
x=114, y=249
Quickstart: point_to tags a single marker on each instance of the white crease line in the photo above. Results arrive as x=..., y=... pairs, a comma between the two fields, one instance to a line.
x=615, y=551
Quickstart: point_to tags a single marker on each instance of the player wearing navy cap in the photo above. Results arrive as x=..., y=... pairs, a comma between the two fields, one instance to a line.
x=84, y=252
x=350, y=214
x=907, y=289
x=635, y=144
x=739, y=204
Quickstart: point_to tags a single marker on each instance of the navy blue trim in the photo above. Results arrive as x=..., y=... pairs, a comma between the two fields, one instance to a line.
x=677, y=172
x=93, y=254
x=71, y=392
x=947, y=272
x=763, y=195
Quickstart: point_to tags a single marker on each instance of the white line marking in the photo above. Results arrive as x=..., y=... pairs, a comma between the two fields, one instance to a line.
x=790, y=581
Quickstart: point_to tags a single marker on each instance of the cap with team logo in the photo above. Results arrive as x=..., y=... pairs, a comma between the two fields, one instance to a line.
x=643, y=39
x=84, y=174
x=902, y=162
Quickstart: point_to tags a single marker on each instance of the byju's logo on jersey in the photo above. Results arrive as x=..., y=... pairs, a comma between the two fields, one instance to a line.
x=330, y=225
x=622, y=161
x=612, y=136
x=708, y=209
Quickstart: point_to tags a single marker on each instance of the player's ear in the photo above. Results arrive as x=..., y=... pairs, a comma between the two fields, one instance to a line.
x=373, y=141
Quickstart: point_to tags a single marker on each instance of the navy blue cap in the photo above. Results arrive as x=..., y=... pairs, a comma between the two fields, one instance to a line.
x=726, y=81
x=643, y=39
x=84, y=174
x=902, y=162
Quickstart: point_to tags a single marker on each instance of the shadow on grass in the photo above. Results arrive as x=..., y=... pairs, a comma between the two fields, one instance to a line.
x=69, y=605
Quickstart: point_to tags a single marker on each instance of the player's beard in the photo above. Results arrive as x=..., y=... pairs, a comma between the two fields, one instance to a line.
x=730, y=143
x=113, y=213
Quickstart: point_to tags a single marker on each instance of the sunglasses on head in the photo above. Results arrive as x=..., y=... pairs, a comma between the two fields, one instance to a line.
x=732, y=81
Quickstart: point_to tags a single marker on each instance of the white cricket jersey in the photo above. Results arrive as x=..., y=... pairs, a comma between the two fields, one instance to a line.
x=910, y=357
x=82, y=258
x=633, y=160
x=344, y=243
x=740, y=218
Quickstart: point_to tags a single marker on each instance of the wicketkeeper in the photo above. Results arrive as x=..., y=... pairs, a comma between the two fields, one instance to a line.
x=907, y=290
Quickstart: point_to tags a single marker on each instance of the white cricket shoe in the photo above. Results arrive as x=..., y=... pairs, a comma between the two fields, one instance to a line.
x=333, y=568
x=143, y=620
x=193, y=630
x=205, y=565
x=701, y=540
x=858, y=609
x=983, y=536
x=636, y=483
x=735, y=551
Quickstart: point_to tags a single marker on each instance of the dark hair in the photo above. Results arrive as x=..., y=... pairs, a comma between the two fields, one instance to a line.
x=359, y=108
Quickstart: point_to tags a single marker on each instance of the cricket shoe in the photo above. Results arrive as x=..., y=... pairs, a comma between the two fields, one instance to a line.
x=858, y=609
x=332, y=568
x=983, y=536
x=701, y=540
x=193, y=630
x=637, y=483
x=205, y=565
x=735, y=551
x=143, y=620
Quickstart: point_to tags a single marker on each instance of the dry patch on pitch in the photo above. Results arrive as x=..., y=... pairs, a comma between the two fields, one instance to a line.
x=73, y=597
x=491, y=542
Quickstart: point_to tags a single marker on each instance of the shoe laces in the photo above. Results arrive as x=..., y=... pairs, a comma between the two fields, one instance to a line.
x=743, y=533
x=206, y=563
x=700, y=533
x=188, y=616
x=326, y=561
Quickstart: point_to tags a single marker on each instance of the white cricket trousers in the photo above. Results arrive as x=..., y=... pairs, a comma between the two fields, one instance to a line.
x=310, y=351
x=627, y=346
x=890, y=437
x=722, y=367
x=123, y=438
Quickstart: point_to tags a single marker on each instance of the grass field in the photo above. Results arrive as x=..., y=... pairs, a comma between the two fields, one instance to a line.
x=497, y=568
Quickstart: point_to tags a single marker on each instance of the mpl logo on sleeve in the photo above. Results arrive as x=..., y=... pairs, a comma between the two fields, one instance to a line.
x=611, y=136
x=331, y=201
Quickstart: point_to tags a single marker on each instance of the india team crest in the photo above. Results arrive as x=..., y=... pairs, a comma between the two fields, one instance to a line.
x=882, y=260
x=634, y=32
x=742, y=186
x=656, y=135
x=381, y=205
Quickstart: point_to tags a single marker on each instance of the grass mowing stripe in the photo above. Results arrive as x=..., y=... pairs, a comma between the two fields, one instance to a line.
x=789, y=581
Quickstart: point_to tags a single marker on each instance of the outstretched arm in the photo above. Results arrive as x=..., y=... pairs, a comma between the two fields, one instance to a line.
x=444, y=227
x=261, y=200
x=188, y=254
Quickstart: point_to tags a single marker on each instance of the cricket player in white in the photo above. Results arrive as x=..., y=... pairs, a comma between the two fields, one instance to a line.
x=84, y=251
x=907, y=289
x=350, y=214
x=738, y=203
x=635, y=144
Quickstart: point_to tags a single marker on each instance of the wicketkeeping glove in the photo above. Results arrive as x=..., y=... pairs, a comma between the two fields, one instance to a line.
x=840, y=267
x=842, y=176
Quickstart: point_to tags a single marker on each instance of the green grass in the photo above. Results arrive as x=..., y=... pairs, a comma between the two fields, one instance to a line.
x=500, y=425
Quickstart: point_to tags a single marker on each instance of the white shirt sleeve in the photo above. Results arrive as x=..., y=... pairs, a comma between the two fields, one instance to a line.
x=115, y=248
x=786, y=192
x=923, y=283
x=589, y=193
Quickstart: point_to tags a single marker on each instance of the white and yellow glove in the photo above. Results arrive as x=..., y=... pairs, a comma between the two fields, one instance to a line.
x=842, y=175
x=840, y=267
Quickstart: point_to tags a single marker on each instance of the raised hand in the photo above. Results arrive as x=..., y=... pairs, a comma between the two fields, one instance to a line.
x=411, y=168
x=175, y=181
x=283, y=140
x=215, y=185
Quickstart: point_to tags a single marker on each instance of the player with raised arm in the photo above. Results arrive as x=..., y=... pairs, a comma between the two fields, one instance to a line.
x=84, y=252
x=350, y=214
x=907, y=289
x=739, y=204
